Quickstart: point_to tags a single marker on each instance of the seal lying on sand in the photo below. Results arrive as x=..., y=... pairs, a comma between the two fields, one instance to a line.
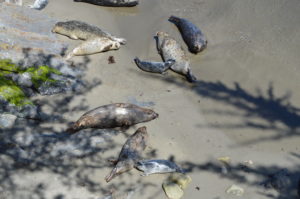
x=130, y=153
x=39, y=4
x=154, y=67
x=157, y=166
x=113, y=115
x=112, y=3
x=81, y=30
x=92, y=46
x=191, y=34
x=169, y=48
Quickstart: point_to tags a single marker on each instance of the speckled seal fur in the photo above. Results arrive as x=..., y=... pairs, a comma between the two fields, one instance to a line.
x=157, y=166
x=154, y=67
x=81, y=30
x=169, y=48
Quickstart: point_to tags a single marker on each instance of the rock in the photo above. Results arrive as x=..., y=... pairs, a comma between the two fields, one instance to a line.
x=22, y=28
x=7, y=120
x=24, y=80
x=225, y=164
x=235, y=190
x=172, y=190
x=182, y=180
x=175, y=184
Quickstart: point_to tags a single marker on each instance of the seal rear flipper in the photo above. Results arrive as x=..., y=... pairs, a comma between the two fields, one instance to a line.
x=112, y=174
x=190, y=77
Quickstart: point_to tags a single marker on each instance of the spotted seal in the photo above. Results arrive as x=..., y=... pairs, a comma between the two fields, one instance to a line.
x=111, y=3
x=39, y=4
x=154, y=67
x=113, y=115
x=130, y=153
x=81, y=30
x=169, y=48
x=157, y=166
x=92, y=46
x=191, y=34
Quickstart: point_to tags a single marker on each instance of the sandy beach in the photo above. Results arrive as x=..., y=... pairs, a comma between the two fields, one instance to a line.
x=245, y=104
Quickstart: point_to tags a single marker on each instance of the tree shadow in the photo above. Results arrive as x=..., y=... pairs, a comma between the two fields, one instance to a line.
x=273, y=181
x=38, y=157
x=276, y=113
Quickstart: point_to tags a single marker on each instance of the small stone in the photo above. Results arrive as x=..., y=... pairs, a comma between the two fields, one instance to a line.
x=7, y=120
x=111, y=60
x=225, y=160
x=172, y=190
x=235, y=190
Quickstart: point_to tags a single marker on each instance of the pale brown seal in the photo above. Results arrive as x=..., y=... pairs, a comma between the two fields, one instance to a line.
x=94, y=45
x=113, y=115
x=81, y=30
x=130, y=153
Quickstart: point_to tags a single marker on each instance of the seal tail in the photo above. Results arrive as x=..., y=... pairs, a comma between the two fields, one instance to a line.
x=190, y=77
x=73, y=128
x=173, y=19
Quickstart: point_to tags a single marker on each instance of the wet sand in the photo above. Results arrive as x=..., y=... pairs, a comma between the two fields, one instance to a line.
x=245, y=104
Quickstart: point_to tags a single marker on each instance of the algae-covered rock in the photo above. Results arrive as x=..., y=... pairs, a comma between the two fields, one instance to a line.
x=12, y=93
x=172, y=190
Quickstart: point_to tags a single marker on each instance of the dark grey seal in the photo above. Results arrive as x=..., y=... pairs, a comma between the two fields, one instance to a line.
x=112, y=116
x=154, y=67
x=130, y=153
x=157, y=166
x=111, y=3
x=191, y=34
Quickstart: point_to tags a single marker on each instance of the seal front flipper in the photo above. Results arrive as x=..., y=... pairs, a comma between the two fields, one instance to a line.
x=190, y=77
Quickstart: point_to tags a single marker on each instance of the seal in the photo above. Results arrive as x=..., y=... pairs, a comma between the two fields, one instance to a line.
x=169, y=48
x=81, y=30
x=190, y=33
x=154, y=67
x=113, y=115
x=39, y=4
x=130, y=153
x=94, y=45
x=111, y=3
x=157, y=166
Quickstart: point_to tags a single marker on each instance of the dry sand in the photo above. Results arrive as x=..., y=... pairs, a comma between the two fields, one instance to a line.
x=245, y=105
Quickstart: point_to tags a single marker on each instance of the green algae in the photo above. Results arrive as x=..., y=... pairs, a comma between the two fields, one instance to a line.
x=12, y=93
x=7, y=66
x=41, y=74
